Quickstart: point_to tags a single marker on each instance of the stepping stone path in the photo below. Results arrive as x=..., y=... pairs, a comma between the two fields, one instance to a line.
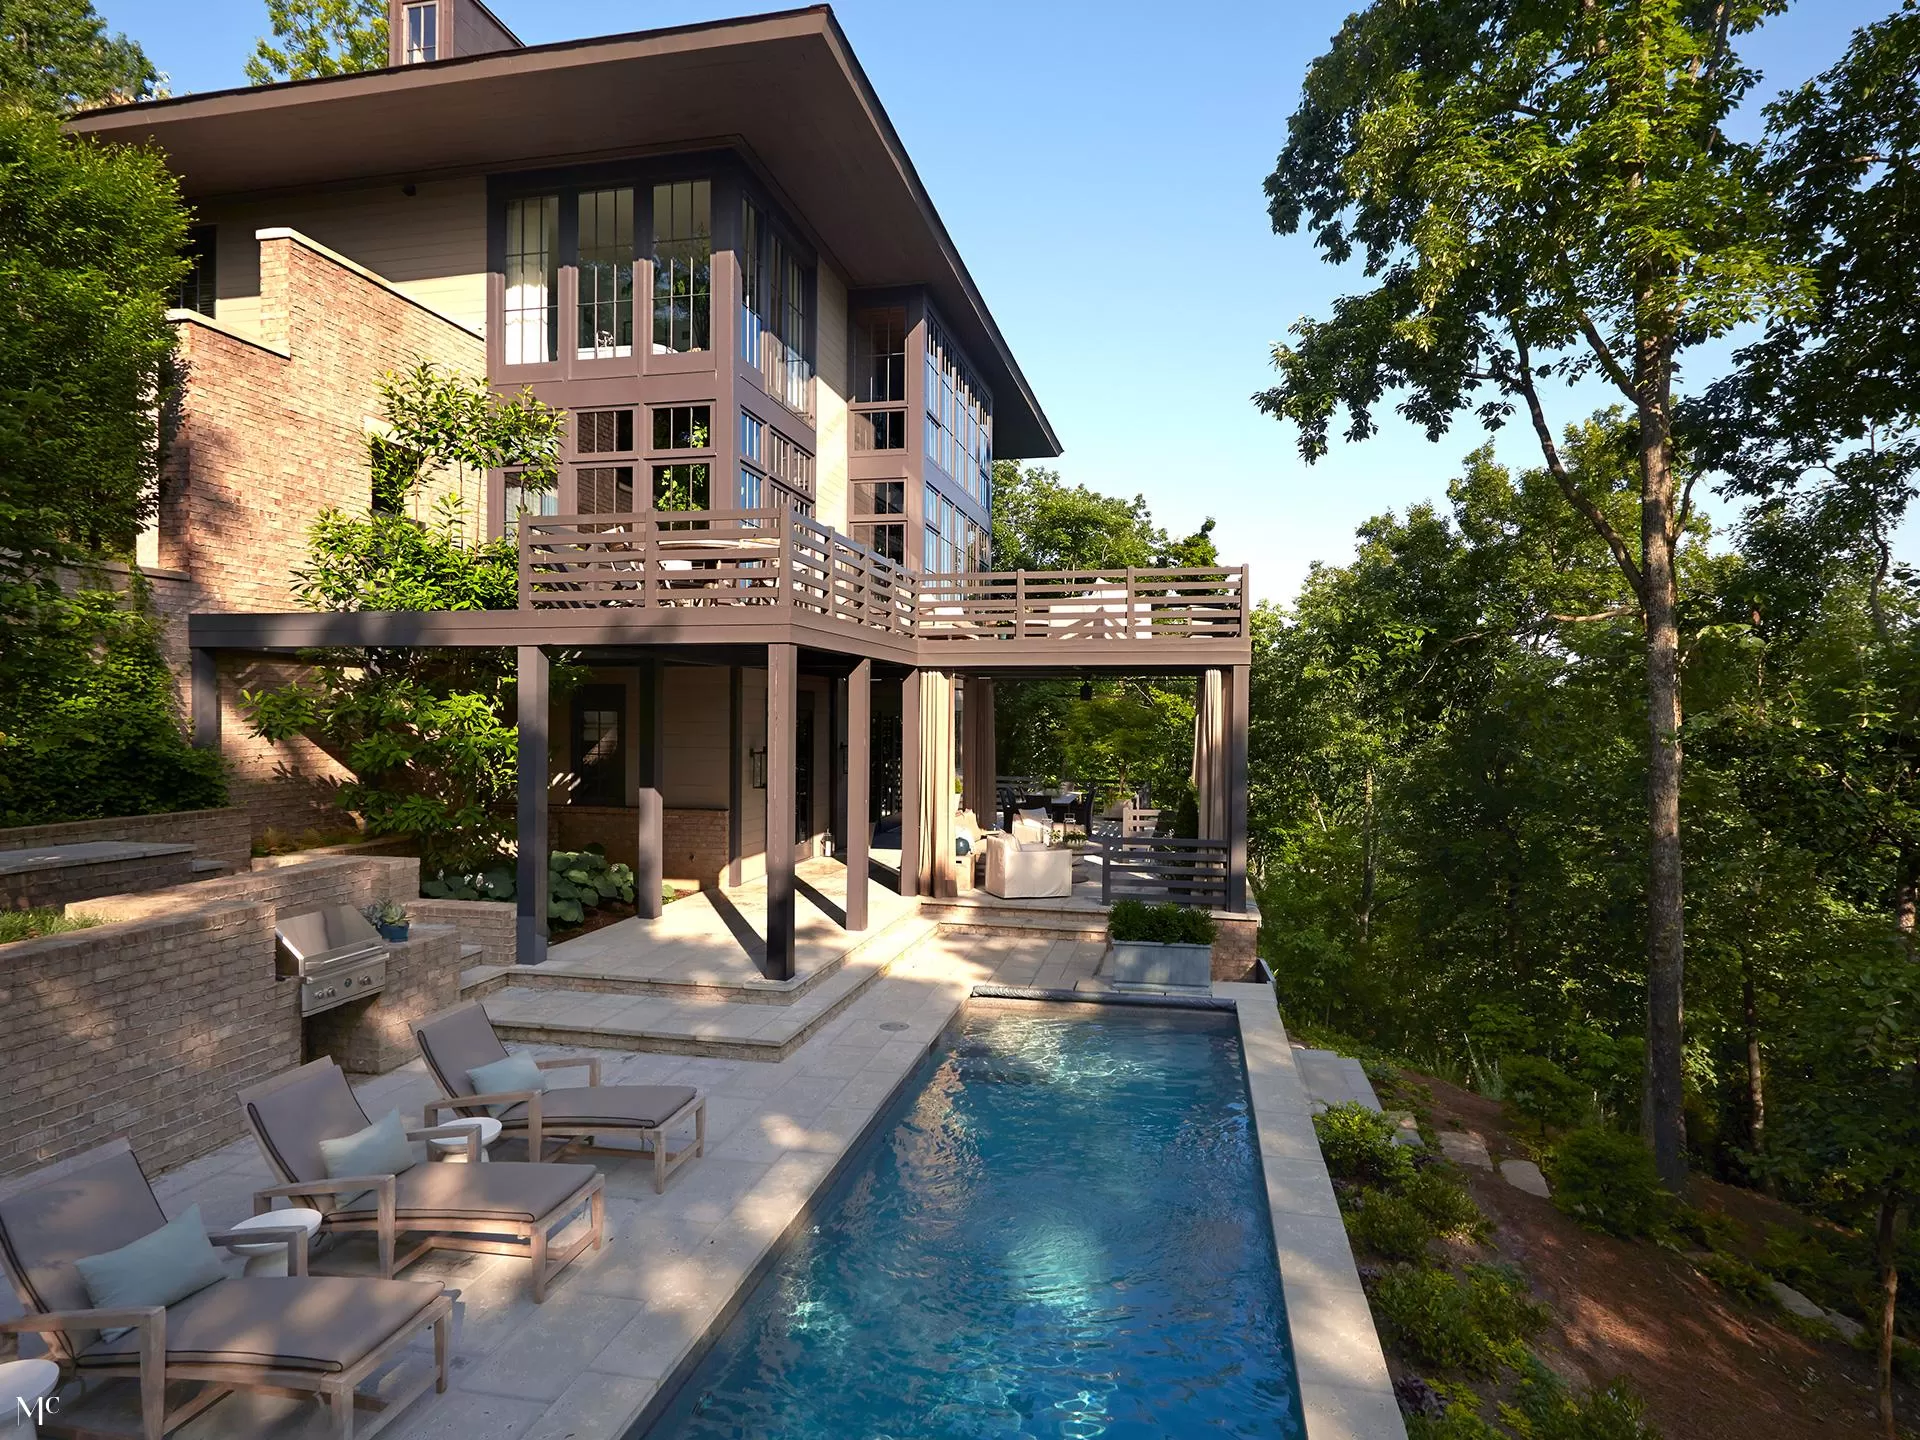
x=1407, y=1132
x=1525, y=1175
x=1463, y=1148
x=1331, y=1079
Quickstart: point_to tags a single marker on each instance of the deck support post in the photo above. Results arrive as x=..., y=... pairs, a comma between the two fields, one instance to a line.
x=910, y=742
x=736, y=788
x=650, y=852
x=783, y=683
x=1239, y=707
x=859, y=771
x=206, y=699
x=530, y=898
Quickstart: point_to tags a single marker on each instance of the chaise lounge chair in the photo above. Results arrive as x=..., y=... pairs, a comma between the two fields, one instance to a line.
x=460, y=1040
x=321, y=1335
x=489, y=1209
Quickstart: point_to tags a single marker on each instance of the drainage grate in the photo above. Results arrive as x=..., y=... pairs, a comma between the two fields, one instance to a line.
x=893, y=1024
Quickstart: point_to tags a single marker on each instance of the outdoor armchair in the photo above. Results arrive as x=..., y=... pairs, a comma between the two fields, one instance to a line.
x=460, y=1040
x=322, y=1335
x=1028, y=872
x=488, y=1209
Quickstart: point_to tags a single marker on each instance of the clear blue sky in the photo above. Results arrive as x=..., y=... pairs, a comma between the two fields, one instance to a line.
x=1100, y=166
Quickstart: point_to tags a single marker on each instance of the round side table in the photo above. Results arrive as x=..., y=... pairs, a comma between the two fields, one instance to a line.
x=454, y=1147
x=24, y=1388
x=271, y=1258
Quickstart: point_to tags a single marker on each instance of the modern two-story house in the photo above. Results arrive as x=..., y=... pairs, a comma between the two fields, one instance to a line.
x=769, y=543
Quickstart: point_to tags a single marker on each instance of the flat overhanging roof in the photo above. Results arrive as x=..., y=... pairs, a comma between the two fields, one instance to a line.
x=784, y=88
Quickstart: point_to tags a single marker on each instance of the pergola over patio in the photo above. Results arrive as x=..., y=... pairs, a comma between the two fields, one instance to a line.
x=776, y=589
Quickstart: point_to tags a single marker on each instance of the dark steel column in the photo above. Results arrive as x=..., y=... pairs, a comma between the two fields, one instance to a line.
x=910, y=783
x=736, y=788
x=649, y=871
x=783, y=683
x=206, y=699
x=1239, y=697
x=859, y=771
x=530, y=903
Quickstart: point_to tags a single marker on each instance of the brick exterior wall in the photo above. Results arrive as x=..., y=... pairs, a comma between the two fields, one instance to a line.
x=695, y=840
x=145, y=1029
x=375, y=1035
x=81, y=880
x=490, y=924
x=1236, y=940
x=274, y=430
x=214, y=834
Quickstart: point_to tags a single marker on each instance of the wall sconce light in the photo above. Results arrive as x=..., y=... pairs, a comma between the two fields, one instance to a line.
x=757, y=767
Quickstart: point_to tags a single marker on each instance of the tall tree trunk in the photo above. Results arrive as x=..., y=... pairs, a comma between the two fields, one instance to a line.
x=1886, y=1257
x=1366, y=863
x=1906, y=896
x=1756, y=1074
x=1666, y=914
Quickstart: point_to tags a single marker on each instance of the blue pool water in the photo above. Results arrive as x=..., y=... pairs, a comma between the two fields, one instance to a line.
x=1060, y=1232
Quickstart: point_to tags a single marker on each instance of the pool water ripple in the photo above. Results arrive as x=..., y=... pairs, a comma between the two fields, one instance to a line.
x=1060, y=1233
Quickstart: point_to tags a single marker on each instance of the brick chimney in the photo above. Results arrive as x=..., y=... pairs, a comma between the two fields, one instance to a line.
x=419, y=31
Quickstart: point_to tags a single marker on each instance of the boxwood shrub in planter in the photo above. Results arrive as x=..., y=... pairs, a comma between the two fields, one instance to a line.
x=1159, y=944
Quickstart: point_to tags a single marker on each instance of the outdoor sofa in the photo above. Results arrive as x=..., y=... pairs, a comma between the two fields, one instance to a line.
x=319, y=1335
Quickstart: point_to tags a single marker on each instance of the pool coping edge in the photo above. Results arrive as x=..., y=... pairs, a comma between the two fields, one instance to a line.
x=1346, y=1392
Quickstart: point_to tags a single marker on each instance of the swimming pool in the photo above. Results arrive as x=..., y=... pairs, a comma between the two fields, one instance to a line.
x=1061, y=1230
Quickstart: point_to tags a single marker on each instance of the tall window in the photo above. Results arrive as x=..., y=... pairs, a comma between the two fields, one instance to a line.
x=880, y=379
x=532, y=310
x=682, y=266
x=959, y=417
x=599, y=746
x=606, y=273
x=952, y=542
x=774, y=336
x=880, y=517
x=682, y=427
x=196, y=286
x=601, y=488
x=774, y=470
x=521, y=501
x=423, y=33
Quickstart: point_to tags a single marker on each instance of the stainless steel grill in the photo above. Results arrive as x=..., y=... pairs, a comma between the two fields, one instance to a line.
x=333, y=952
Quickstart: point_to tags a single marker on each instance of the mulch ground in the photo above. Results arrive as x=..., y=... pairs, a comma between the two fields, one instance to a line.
x=1708, y=1366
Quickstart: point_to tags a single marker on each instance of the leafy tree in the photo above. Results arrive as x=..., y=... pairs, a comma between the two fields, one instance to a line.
x=92, y=726
x=90, y=240
x=320, y=37
x=1040, y=523
x=58, y=56
x=1542, y=191
x=426, y=734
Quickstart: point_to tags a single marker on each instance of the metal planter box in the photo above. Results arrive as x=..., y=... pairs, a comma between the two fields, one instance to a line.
x=1152, y=962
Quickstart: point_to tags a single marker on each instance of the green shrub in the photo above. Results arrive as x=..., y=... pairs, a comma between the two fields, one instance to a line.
x=32, y=924
x=1474, y=1323
x=1544, y=1409
x=1445, y=1203
x=1167, y=924
x=1458, y=1423
x=1542, y=1092
x=1391, y=1227
x=1607, y=1181
x=1358, y=1146
x=579, y=880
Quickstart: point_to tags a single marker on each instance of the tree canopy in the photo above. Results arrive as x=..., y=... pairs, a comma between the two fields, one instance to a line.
x=319, y=37
x=59, y=56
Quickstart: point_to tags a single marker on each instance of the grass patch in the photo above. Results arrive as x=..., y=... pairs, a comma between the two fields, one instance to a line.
x=32, y=924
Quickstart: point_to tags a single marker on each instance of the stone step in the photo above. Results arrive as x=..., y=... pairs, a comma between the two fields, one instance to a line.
x=1332, y=1079
x=713, y=1026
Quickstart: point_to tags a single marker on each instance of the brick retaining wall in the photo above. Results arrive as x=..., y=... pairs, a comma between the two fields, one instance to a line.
x=221, y=835
x=292, y=882
x=694, y=840
x=145, y=1029
x=79, y=878
x=490, y=924
x=375, y=1035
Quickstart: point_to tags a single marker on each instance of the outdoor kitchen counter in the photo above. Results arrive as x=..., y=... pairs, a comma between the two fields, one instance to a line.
x=56, y=875
x=373, y=1036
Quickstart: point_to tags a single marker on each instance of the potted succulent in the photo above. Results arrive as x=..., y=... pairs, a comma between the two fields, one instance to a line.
x=389, y=917
x=1159, y=944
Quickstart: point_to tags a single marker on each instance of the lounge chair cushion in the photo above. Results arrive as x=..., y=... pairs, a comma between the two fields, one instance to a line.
x=476, y=1192
x=460, y=1040
x=295, y=1112
x=502, y=1077
x=320, y=1323
x=168, y=1265
x=613, y=1107
x=100, y=1204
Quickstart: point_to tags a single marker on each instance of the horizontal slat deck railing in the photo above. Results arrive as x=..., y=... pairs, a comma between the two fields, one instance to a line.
x=1187, y=872
x=1123, y=605
x=721, y=559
